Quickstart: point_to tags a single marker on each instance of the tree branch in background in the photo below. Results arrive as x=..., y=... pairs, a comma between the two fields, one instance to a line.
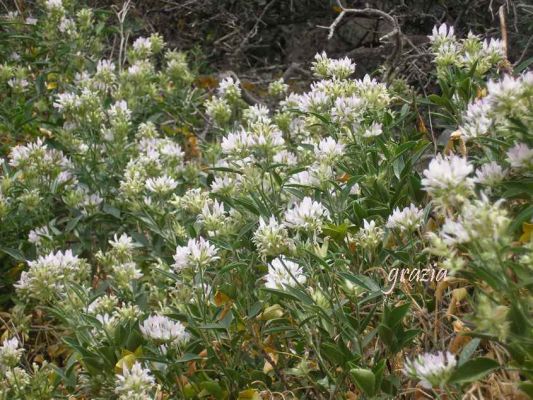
x=373, y=12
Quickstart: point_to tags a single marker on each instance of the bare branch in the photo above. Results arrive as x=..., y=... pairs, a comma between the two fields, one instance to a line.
x=373, y=12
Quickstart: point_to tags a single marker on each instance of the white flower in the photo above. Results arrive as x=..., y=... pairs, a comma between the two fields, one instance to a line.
x=143, y=46
x=161, y=185
x=305, y=178
x=229, y=88
x=108, y=321
x=46, y=276
x=355, y=189
x=374, y=93
x=105, y=66
x=198, y=253
x=18, y=83
x=212, y=217
x=266, y=137
x=119, y=112
x=490, y=174
x=285, y=157
x=122, y=244
x=218, y=109
x=35, y=236
x=494, y=49
x=441, y=34
x=341, y=68
x=236, y=143
x=124, y=273
x=432, y=369
x=506, y=90
x=278, y=87
x=271, y=238
x=446, y=178
x=370, y=235
x=308, y=215
x=454, y=232
x=54, y=5
x=172, y=150
x=67, y=26
x=10, y=353
x=135, y=383
x=408, y=219
x=282, y=273
x=257, y=113
x=223, y=184
x=477, y=120
x=347, y=109
x=162, y=329
x=90, y=203
x=480, y=220
x=103, y=305
x=325, y=67
x=316, y=101
x=375, y=129
x=520, y=156
x=328, y=149
x=67, y=101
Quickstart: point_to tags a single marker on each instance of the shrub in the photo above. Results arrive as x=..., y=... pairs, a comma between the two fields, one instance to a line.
x=258, y=253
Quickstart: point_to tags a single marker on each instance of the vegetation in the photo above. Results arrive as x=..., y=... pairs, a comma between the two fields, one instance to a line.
x=160, y=240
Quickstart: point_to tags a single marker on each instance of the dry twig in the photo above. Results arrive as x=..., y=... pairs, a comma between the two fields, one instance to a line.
x=373, y=12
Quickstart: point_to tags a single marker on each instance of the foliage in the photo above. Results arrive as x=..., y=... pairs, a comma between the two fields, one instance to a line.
x=253, y=255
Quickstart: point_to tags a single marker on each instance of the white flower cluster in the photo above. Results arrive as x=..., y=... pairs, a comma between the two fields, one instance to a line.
x=198, y=253
x=509, y=97
x=432, y=370
x=308, y=215
x=283, y=272
x=408, y=219
x=47, y=276
x=10, y=354
x=468, y=53
x=163, y=330
x=447, y=179
x=272, y=237
x=135, y=383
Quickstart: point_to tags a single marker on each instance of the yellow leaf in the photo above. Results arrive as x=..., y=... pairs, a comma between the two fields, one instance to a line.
x=272, y=312
x=221, y=298
x=207, y=82
x=127, y=360
x=249, y=394
x=527, y=229
x=51, y=85
x=421, y=126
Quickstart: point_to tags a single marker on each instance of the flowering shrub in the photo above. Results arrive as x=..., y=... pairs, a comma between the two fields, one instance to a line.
x=255, y=258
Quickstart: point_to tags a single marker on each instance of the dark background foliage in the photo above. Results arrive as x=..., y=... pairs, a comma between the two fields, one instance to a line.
x=259, y=37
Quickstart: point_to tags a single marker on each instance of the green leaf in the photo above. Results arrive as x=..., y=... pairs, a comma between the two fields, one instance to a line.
x=188, y=357
x=395, y=316
x=473, y=370
x=15, y=253
x=527, y=388
x=337, y=232
x=365, y=380
x=332, y=353
x=115, y=212
x=363, y=281
x=468, y=350
x=213, y=388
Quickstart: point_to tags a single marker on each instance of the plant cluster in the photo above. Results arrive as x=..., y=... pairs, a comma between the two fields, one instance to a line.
x=155, y=255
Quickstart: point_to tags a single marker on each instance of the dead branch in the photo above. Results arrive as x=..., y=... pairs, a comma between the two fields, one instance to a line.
x=373, y=12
